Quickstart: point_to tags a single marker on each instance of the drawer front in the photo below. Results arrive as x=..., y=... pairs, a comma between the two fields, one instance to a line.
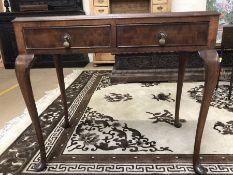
x=75, y=37
x=177, y=34
x=159, y=1
x=101, y=10
x=101, y=3
x=159, y=8
x=104, y=57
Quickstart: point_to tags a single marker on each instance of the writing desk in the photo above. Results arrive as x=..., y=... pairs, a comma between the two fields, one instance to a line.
x=119, y=34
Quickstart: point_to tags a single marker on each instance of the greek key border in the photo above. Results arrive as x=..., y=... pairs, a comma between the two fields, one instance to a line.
x=162, y=168
x=57, y=131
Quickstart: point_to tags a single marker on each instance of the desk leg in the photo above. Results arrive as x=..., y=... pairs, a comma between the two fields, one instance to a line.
x=22, y=69
x=231, y=83
x=182, y=64
x=60, y=76
x=211, y=76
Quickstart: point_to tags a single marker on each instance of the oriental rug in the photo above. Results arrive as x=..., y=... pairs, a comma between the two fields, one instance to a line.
x=126, y=129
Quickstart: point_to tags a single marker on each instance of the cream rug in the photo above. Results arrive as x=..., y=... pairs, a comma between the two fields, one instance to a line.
x=126, y=129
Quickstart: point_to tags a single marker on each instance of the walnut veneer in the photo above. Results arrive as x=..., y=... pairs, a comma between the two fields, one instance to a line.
x=119, y=34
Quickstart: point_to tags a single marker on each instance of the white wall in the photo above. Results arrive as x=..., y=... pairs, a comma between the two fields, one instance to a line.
x=188, y=5
x=86, y=6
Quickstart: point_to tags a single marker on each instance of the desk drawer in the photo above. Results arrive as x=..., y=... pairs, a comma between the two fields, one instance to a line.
x=159, y=8
x=75, y=37
x=101, y=10
x=101, y=3
x=177, y=34
x=159, y=1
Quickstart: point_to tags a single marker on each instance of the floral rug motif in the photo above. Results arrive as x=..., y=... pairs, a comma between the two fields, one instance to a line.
x=220, y=98
x=126, y=129
x=97, y=131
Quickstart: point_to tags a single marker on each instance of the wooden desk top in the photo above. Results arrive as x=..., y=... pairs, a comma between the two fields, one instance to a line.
x=120, y=16
x=117, y=33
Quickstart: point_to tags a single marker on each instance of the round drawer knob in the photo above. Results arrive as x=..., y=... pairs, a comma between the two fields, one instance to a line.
x=66, y=40
x=162, y=38
x=66, y=44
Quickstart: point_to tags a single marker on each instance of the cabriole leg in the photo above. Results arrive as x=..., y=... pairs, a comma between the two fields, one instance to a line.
x=182, y=65
x=231, y=82
x=22, y=69
x=210, y=58
x=60, y=76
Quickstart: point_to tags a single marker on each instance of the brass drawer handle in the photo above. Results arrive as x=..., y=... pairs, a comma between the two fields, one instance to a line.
x=160, y=8
x=66, y=39
x=162, y=38
x=101, y=1
x=101, y=10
